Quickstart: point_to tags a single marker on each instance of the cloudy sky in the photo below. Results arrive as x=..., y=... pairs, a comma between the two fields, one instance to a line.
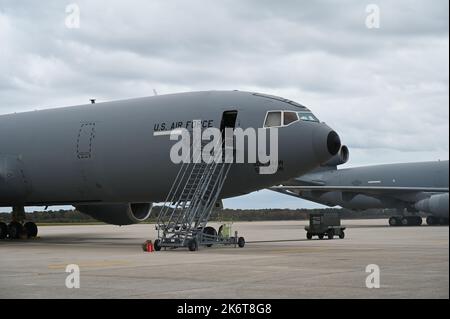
x=385, y=90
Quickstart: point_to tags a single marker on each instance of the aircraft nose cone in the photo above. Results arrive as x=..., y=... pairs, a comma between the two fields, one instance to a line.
x=327, y=143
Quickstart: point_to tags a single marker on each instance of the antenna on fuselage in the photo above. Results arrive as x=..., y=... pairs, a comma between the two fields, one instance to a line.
x=92, y=101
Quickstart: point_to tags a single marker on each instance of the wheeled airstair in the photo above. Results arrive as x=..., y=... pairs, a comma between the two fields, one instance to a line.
x=182, y=220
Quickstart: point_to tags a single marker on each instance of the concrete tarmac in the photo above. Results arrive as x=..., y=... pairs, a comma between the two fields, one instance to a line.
x=277, y=262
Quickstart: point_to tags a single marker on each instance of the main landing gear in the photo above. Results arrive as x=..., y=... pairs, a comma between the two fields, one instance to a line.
x=17, y=228
x=417, y=221
x=405, y=221
x=433, y=221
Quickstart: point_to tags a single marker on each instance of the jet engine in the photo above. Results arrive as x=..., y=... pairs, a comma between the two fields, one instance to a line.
x=118, y=214
x=340, y=158
x=436, y=205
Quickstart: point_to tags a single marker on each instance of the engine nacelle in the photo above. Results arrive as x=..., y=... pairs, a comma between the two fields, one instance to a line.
x=436, y=205
x=118, y=214
x=340, y=158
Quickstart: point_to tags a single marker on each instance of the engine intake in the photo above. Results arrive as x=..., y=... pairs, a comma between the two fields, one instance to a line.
x=340, y=158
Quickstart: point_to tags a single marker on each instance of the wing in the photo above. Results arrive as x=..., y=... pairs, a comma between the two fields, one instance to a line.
x=363, y=189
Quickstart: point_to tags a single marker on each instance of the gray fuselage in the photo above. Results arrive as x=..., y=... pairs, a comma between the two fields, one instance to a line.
x=107, y=152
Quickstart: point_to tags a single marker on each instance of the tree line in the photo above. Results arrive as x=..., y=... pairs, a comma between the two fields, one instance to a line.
x=74, y=216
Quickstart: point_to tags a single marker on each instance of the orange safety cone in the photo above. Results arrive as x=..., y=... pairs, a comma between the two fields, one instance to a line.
x=148, y=246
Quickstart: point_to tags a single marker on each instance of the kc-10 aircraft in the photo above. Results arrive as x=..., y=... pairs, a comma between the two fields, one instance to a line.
x=111, y=160
x=409, y=188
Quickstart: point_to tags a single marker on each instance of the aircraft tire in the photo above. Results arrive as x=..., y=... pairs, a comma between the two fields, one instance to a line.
x=31, y=229
x=342, y=235
x=394, y=221
x=330, y=234
x=3, y=230
x=15, y=230
x=405, y=221
x=309, y=236
x=419, y=221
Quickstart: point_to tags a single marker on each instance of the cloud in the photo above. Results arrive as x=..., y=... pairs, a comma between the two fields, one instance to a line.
x=384, y=90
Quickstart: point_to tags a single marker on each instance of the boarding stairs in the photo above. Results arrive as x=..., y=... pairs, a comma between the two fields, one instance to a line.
x=190, y=203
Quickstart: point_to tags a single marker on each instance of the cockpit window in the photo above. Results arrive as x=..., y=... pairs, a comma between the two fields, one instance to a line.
x=280, y=118
x=308, y=116
x=289, y=117
x=273, y=119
